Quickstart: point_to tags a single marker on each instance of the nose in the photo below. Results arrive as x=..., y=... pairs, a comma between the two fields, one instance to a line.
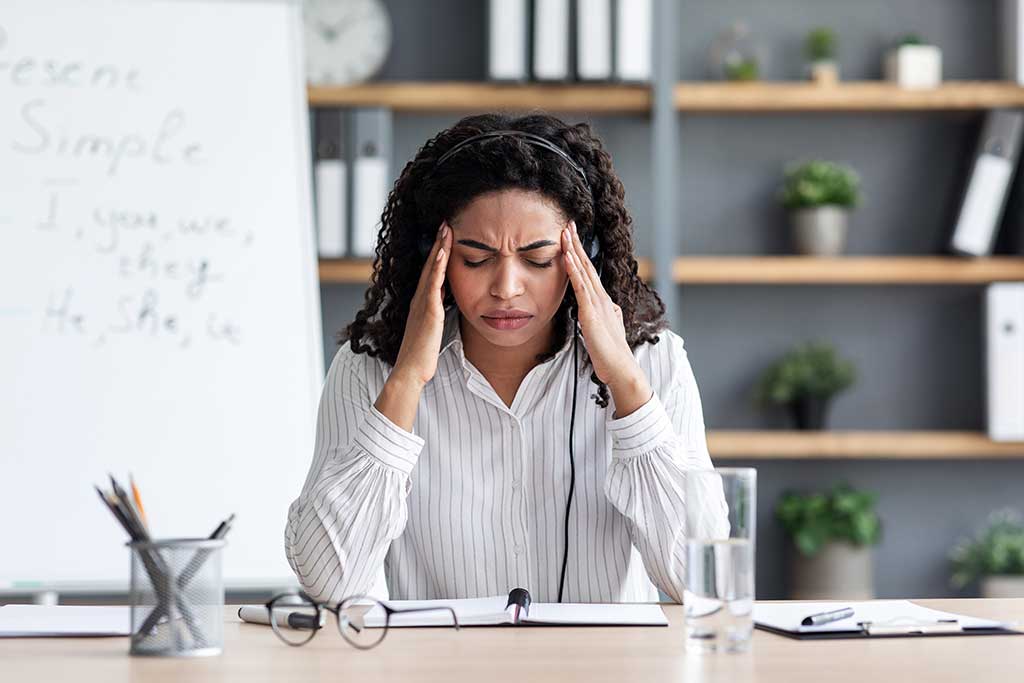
x=508, y=279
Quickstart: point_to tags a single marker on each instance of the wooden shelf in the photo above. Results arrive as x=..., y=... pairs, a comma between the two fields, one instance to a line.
x=443, y=96
x=358, y=271
x=858, y=445
x=848, y=96
x=693, y=96
x=930, y=270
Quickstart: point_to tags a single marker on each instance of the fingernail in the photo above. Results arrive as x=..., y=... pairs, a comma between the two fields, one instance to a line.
x=444, y=231
x=573, y=224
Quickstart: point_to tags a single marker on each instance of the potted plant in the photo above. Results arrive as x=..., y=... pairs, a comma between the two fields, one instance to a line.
x=913, y=64
x=820, y=49
x=995, y=556
x=819, y=196
x=831, y=535
x=734, y=56
x=805, y=380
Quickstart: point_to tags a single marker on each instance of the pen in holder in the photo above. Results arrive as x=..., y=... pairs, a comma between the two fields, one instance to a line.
x=177, y=597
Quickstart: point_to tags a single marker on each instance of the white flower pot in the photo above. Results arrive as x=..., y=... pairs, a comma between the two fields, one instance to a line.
x=1002, y=586
x=914, y=66
x=825, y=72
x=839, y=571
x=820, y=230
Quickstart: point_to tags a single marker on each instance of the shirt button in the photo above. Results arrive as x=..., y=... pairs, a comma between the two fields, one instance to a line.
x=516, y=484
x=518, y=550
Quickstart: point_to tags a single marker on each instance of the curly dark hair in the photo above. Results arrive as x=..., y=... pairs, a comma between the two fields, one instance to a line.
x=421, y=200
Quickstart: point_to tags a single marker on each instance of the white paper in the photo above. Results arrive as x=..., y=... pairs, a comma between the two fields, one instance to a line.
x=491, y=612
x=64, y=620
x=469, y=611
x=596, y=614
x=788, y=615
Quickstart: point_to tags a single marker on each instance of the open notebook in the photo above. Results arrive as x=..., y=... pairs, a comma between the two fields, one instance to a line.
x=515, y=609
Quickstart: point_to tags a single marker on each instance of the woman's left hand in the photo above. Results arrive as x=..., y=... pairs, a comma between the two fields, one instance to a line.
x=599, y=317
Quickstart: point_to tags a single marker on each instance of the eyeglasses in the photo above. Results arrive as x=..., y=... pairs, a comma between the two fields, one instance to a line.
x=361, y=620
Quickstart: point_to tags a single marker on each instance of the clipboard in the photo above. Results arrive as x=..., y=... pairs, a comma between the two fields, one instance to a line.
x=875, y=619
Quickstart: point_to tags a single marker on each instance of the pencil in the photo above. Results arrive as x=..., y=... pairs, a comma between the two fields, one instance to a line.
x=138, y=501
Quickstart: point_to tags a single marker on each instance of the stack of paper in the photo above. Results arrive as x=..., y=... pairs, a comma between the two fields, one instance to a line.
x=63, y=620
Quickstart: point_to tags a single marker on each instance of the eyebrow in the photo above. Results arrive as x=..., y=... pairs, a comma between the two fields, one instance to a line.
x=486, y=247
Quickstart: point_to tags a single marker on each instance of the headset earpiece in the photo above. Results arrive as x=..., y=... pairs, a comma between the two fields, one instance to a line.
x=424, y=245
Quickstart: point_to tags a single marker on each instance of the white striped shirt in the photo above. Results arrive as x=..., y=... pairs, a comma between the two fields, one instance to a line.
x=472, y=502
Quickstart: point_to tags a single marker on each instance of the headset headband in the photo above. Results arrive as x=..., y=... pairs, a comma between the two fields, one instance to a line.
x=528, y=138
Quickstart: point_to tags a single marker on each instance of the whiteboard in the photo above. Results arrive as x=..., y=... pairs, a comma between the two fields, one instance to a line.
x=159, y=303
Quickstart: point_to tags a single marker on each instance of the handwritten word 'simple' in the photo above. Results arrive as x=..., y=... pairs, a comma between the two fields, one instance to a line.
x=40, y=134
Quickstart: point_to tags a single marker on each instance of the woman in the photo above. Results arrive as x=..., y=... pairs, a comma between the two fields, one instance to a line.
x=449, y=440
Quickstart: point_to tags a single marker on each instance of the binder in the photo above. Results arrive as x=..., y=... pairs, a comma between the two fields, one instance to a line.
x=594, y=40
x=1010, y=237
x=982, y=206
x=508, y=46
x=551, y=39
x=330, y=174
x=633, y=30
x=1004, y=361
x=370, y=136
x=1011, y=40
x=873, y=619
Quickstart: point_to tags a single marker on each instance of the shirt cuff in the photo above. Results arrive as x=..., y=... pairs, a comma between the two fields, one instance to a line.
x=389, y=443
x=641, y=431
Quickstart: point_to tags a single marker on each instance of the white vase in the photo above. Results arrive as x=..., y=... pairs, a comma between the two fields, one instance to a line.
x=914, y=66
x=1002, y=586
x=820, y=230
x=839, y=570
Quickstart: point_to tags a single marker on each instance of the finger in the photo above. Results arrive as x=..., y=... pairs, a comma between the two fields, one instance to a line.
x=428, y=268
x=588, y=266
x=580, y=284
x=440, y=264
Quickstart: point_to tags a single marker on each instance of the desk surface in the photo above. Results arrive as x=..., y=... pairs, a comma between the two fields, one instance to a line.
x=252, y=654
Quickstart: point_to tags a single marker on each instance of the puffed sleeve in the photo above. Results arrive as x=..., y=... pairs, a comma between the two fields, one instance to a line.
x=353, y=502
x=652, y=449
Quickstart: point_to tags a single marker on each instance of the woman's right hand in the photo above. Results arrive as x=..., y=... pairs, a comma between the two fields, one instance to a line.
x=421, y=343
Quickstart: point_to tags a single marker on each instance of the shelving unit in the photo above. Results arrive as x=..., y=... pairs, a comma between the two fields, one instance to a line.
x=663, y=100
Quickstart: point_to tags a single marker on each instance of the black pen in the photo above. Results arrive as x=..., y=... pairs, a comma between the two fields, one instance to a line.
x=827, y=617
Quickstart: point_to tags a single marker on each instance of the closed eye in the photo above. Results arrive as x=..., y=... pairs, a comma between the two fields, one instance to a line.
x=535, y=264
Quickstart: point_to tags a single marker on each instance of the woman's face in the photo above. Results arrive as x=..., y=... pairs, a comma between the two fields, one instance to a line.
x=507, y=261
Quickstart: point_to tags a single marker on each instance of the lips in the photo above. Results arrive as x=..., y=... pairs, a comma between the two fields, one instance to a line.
x=507, y=319
x=507, y=313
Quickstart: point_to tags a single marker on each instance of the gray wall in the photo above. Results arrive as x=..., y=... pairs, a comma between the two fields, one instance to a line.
x=918, y=349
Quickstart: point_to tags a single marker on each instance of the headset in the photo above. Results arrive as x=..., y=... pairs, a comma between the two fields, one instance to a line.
x=591, y=246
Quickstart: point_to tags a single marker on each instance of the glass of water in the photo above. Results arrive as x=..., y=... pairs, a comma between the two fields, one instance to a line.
x=721, y=515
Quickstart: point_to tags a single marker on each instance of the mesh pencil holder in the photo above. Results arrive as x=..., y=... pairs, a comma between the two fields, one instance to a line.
x=177, y=597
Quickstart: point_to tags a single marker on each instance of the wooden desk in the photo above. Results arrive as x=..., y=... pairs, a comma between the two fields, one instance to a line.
x=253, y=654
